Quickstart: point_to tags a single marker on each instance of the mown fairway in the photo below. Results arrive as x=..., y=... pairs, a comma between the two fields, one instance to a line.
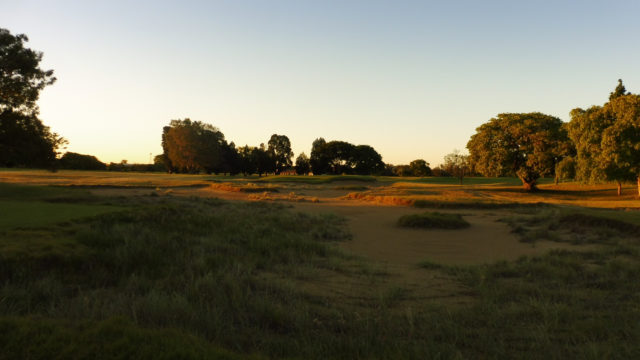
x=159, y=266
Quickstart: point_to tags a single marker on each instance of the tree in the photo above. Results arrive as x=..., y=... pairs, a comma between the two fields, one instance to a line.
x=24, y=140
x=620, y=156
x=365, y=160
x=192, y=146
x=525, y=145
x=620, y=90
x=280, y=150
x=419, y=167
x=607, y=139
x=75, y=161
x=302, y=164
x=248, y=160
x=456, y=164
x=566, y=169
x=264, y=160
x=318, y=159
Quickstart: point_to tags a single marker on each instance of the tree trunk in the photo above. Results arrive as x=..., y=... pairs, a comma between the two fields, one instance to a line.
x=557, y=179
x=638, y=185
x=529, y=185
x=619, y=188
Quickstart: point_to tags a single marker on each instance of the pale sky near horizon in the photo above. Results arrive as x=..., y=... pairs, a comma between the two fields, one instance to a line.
x=413, y=79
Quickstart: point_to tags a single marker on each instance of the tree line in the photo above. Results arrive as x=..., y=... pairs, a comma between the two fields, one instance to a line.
x=601, y=143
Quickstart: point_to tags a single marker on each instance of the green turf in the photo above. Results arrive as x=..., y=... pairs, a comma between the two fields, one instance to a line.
x=19, y=214
x=318, y=179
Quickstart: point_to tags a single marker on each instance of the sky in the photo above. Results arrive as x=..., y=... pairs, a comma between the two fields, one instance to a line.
x=413, y=79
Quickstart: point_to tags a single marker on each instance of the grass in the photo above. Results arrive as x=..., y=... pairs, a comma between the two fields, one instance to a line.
x=195, y=278
x=575, y=225
x=433, y=220
x=318, y=179
x=15, y=214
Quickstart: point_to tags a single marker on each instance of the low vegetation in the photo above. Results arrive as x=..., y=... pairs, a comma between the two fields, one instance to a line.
x=433, y=220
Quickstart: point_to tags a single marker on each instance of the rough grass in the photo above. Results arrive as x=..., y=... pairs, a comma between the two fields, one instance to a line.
x=116, y=338
x=192, y=278
x=575, y=225
x=433, y=220
x=566, y=304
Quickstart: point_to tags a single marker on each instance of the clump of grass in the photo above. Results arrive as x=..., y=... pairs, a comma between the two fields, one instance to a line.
x=247, y=188
x=433, y=220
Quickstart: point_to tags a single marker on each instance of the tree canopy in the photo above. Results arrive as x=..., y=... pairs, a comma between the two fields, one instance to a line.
x=192, y=146
x=280, y=150
x=607, y=139
x=24, y=139
x=456, y=164
x=341, y=157
x=525, y=145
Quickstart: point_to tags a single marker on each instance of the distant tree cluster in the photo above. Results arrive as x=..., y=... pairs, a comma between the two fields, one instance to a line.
x=418, y=167
x=24, y=140
x=194, y=147
x=75, y=161
x=340, y=157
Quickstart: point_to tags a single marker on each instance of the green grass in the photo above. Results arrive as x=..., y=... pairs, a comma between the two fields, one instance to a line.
x=195, y=278
x=433, y=220
x=318, y=179
x=43, y=338
x=16, y=214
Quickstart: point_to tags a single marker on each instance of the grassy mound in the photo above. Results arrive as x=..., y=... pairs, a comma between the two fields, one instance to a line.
x=433, y=220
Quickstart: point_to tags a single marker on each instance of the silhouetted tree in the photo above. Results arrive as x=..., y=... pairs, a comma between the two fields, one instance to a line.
x=192, y=146
x=24, y=140
x=318, y=159
x=75, y=161
x=420, y=167
x=302, y=164
x=280, y=150
x=366, y=160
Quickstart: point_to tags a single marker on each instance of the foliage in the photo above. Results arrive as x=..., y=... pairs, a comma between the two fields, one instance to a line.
x=21, y=78
x=456, y=164
x=24, y=139
x=192, y=146
x=607, y=139
x=566, y=169
x=526, y=145
x=280, y=151
x=302, y=164
x=420, y=167
x=75, y=161
x=340, y=157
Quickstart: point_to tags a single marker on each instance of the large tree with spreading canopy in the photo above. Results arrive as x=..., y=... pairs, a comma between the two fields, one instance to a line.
x=526, y=145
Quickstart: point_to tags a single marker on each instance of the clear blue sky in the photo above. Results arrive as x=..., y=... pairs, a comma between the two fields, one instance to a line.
x=411, y=78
